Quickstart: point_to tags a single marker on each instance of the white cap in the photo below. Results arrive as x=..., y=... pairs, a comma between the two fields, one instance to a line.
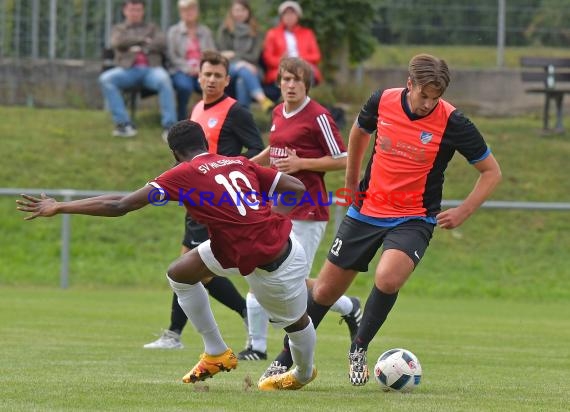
x=187, y=3
x=290, y=5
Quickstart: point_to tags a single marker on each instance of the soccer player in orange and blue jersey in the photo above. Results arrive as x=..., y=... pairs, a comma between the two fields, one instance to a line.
x=417, y=134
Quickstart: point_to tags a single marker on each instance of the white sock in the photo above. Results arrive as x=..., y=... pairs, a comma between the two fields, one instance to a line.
x=343, y=305
x=257, y=322
x=302, y=344
x=193, y=299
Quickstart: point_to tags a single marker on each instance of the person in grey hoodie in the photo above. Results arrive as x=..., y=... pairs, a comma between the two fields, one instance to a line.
x=239, y=40
x=186, y=41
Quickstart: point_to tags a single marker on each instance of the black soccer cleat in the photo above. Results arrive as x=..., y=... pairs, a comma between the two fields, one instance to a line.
x=353, y=318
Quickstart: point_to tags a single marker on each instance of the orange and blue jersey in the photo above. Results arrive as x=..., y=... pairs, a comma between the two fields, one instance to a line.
x=405, y=174
x=212, y=120
x=229, y=127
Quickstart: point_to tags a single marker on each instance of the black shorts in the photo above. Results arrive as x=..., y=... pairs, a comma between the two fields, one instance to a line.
x=356, y=242
x=194, y=233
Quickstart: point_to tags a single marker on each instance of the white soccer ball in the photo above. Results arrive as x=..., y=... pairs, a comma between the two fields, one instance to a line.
x=398, y=370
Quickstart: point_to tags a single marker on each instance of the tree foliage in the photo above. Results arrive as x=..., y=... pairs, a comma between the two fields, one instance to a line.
x=342, y=21
x=528, y=22
x=549, y=25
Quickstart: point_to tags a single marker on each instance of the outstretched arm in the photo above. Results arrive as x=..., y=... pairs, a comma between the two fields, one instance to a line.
x=489, y=178
x=105, y=205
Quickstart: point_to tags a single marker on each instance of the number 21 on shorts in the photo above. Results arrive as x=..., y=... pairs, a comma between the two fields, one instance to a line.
x=337, y=244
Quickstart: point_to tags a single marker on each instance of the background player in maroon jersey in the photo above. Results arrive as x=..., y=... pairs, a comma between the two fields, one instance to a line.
x=417, y=134
x=304, y=141
x=275, y=270
x=229, y=129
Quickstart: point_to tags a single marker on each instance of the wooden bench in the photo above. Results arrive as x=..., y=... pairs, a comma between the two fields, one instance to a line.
x=551, y=76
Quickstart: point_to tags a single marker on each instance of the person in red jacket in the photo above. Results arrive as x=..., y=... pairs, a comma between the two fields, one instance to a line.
x=290, y=39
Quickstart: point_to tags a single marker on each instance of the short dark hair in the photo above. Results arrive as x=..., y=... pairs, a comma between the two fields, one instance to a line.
x=214, y=58
x=300, y=68
x=186, y=136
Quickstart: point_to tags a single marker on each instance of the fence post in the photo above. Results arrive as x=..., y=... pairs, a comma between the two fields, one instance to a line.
x=16, y=28
x=35, y=29
x=2, y=26
x=165, y=15
x=108, y=23
x=65, y=241
x=501, y=33
x=52, y=28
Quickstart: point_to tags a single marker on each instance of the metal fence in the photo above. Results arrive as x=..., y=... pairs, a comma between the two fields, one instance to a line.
x=79, y=29
x=339, y=211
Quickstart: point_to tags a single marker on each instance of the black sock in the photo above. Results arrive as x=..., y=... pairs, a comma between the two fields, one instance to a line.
x=316, y=312
x=224, y=291
x=376, y=310
x=178, y=318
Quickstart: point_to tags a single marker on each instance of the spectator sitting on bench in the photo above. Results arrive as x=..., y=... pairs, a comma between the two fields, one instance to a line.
x=240, y=41
x=186, y=41
x=289, y=39
x=138, y=48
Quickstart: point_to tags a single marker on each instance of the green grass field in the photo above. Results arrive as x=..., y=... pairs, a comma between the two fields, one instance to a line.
x=81, y=349
x=473, y=57
x=486, y=312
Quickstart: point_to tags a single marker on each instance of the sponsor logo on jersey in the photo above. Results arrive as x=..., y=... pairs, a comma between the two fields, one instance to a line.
x=212, y=122
x=426, y=137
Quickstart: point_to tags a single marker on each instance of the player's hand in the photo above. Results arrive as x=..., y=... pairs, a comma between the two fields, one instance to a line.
x=290, y=164
x=451, y=218
x=43, y=206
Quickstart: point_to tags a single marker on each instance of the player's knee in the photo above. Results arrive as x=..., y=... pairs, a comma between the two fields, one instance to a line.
x=323, y=294
x=173, y=273
x=179, y=272
x=389, y=284
x=300, y=324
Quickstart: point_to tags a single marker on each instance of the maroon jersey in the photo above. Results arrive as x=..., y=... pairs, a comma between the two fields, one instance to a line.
x=312, y=133
x=225, y=194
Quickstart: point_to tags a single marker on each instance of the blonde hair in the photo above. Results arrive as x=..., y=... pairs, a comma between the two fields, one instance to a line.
x=425, y=69
x=229, y=22
x=187, y=3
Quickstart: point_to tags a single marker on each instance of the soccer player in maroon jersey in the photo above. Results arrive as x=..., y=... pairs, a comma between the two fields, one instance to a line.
x=225, y=194
x=230, y=131
x=417, y=134
x=304, y=142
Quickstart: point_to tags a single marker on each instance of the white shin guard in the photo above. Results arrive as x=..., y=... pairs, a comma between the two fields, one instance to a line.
x=302, y=344
x=258, y=321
